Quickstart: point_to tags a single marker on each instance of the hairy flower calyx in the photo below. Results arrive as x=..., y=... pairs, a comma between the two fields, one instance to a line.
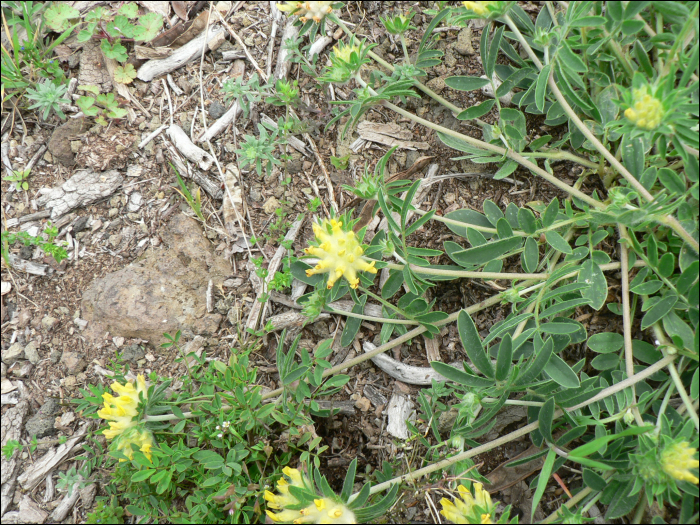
x=646, y=111
x=339, y=253
x=315, y=11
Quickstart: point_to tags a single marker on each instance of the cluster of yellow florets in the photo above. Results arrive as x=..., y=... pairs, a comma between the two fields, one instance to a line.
x=344, y=52
x=465, y=510
x=315, y=11
x=677, y=459
x=121, y=414
x=339, y=252
x=646, y=110
x=479, y=8
x=322, y=510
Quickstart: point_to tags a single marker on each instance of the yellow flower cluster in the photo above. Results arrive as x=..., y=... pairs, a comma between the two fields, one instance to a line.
x=120, y=413
x=339, y=253
x=479, y=8
x=463, y=511
x=646, y=111
x=143, y=439
x=316, y=11
x=344, y=52
x=323, y=510
x=677, y=459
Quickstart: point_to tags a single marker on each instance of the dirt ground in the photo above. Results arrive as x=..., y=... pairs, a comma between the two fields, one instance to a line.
x=114, y=232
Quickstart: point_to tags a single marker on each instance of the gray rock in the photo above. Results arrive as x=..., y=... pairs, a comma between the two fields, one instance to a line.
x=80, y=224
x=216, y=110
x=73, y=362
x=135, y=202
x=437, y=84
x=48, y=323
x=165, y=291
x=55, y=356
x=31, y=352
x=464, y=42
x=42, y=424
x=133, y=353
x=13, y=354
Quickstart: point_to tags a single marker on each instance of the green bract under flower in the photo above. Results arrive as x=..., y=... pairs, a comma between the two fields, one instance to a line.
x=315, y=11
x=646, y=111
x=339, y=252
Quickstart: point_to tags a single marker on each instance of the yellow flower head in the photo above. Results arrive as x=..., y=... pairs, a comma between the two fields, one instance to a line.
x=322, y=510
x=120, y=411
x=677, y=459
x=343, y=53
x=479, y=8
x=339, y=252
x=646, y=111
x=316, y=11
x=464, y=510
x=143, y=439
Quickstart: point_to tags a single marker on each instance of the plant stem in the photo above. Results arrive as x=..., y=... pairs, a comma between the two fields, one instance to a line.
x=627, y=320
x=517, y=233
x=661, y=337
x=446, y=463
x=426, y=270
x=667, y=220
x=370, y=318
x=501, y=151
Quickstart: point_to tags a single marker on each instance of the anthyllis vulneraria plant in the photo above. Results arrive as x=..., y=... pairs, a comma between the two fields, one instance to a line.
x=476, y=508
x=298, y=500
x=339, y=252
x=122, y=415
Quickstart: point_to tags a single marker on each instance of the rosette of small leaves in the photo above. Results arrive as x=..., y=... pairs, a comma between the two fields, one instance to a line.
x=48, y=97
x=246, y=93
x=258, y=151
x=286, y=94
x=368, y=186
x=398, y=25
